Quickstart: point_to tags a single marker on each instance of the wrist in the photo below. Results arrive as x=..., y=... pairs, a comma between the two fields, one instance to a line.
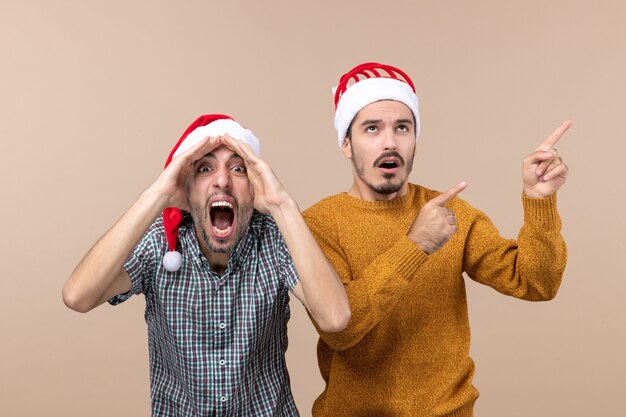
x=285, y=204
x=154, y=197
x=425, y=247
x=534, y=194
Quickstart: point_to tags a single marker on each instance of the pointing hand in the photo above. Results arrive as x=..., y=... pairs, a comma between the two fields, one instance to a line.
x=544, y=171
x=435, y=223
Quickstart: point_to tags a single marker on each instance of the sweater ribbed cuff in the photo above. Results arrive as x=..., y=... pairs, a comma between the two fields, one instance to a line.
x=467, y=411
x=541, y=212
x=406, y=257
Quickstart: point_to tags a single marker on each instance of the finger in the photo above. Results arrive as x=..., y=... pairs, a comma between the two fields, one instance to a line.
x=230, y=142
x=545, y=167
x=555, y=136
x=560, y=170
x=537, y=158
x=547, y=159
x=446, y=211
x=200, y=149
x=553, y=164
x=443, y=198
x=241, y=148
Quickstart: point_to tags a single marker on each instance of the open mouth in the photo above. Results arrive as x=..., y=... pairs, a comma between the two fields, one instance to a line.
x=222, y=216
x=389, y=165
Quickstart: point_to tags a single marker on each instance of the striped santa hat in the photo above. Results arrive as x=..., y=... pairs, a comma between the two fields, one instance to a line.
x=366, y=84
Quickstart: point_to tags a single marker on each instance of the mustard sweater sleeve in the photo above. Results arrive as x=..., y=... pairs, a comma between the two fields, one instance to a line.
x=530, y=268
x=376, y=291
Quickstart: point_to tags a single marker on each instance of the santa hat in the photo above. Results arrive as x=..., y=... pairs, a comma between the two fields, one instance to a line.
x=372, y=82
x=207, y=125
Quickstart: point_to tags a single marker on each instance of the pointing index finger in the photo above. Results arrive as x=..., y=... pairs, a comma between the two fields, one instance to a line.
x=555, y=136
x=444, y=198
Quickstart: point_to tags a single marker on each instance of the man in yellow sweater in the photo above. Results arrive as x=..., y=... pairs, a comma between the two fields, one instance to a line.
x=401, y=249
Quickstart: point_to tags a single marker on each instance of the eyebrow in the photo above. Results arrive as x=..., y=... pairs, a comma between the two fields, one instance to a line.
x=370, y=122
x=376, y=121
x=210, y=155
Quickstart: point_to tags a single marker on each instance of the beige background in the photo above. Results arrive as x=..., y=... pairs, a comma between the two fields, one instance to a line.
x=93, y=94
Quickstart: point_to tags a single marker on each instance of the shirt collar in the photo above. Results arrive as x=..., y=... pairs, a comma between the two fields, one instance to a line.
x=239, y=252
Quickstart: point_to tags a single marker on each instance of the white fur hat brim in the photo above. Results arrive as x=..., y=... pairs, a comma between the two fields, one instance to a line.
x=217, y=128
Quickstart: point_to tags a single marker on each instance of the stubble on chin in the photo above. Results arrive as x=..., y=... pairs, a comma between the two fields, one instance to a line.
x=200, y=215
x=388, y=187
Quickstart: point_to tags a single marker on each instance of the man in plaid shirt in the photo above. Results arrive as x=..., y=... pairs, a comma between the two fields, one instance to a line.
x=216, y=268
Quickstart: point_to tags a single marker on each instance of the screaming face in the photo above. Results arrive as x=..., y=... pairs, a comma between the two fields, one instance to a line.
x=221, y=201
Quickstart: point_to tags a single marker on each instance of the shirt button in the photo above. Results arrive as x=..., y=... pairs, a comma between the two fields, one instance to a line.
x=223, y=398
x=222, y=362
x=222, y=326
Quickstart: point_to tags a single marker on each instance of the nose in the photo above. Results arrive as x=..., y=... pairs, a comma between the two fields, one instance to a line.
x=389, y=139
x=222, y=179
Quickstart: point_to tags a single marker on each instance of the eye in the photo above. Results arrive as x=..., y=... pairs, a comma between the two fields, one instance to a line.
x=240, y=169
x=371, y=128
x=403, y=128
x=204, y=169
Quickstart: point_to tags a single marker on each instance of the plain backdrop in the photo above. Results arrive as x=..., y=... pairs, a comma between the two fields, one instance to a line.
x=93, y=95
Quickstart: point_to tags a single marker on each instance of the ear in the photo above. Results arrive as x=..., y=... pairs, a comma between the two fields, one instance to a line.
x=347, y=148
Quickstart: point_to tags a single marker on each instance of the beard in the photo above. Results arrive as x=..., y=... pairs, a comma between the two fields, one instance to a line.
x=392, y=183
x=200, y=215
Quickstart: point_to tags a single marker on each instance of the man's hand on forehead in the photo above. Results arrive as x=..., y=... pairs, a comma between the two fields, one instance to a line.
x=214, y=142
x=174, y=178
x=242, y=149
x=269, y=193
x=200, y=149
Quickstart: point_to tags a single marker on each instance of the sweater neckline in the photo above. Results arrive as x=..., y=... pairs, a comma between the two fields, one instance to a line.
x=379, y=205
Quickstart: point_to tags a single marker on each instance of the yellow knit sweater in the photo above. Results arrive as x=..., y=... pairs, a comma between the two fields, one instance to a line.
x=405, y=351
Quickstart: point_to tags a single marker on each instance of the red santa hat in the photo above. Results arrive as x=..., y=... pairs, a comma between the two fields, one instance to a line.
x=207, y=125
x=371, y=82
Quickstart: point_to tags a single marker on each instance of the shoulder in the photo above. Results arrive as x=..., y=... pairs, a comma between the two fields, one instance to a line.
x=263, y=225
x=323, y=206
x=325, y=213
x=420, y=192
x=459, y=205
x=155, y=233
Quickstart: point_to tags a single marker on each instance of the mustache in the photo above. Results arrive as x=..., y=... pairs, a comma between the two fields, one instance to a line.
x=389, y=154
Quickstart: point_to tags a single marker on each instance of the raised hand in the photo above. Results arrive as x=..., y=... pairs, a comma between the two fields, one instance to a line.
x=543, y=171
x=268, y=191
x=170, y=184
x=435, y=224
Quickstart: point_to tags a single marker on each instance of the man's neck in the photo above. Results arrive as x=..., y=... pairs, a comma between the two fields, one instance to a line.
x=218, y=261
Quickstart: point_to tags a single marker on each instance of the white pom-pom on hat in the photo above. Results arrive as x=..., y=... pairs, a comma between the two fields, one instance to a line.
x=172, y=261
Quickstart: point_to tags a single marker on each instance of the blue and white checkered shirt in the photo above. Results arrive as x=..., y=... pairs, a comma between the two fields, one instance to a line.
x=217, y=343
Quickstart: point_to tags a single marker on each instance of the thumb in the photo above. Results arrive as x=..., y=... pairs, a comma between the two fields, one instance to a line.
x=444, y=198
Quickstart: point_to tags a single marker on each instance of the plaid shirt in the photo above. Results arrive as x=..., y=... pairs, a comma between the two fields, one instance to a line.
x=217, y=343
